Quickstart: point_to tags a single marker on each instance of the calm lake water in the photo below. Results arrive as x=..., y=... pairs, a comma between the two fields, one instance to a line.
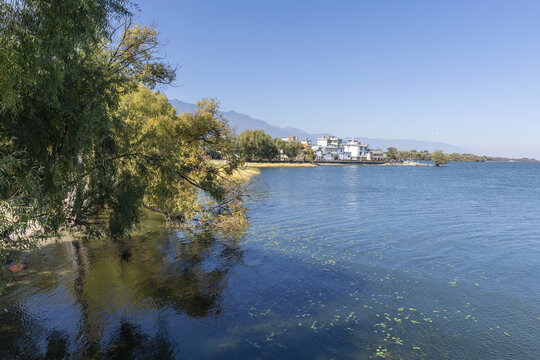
x=339, y=262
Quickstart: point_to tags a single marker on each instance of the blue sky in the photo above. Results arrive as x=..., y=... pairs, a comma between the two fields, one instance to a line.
x=461, y=72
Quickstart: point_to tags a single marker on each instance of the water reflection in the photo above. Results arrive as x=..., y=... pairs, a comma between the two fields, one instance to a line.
x=111, y=290
x=57, y=345
x=193, y=282
x=129, y=341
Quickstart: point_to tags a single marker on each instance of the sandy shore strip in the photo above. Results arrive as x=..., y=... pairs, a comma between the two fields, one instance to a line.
x=277, y=164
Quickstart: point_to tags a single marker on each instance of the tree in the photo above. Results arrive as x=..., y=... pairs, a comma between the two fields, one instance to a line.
x=309, y=155
x=168, y=157
x=392, y=153
x=292, y=149
x=257, y=145
x=439, y=158
x=136, y=53
x=55, y=115
x=280, y=146
x=84, y=143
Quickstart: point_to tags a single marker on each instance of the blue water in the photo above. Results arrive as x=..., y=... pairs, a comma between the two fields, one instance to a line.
x=339, y=262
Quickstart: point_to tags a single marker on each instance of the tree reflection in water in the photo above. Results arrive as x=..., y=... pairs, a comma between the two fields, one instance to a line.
x=130, y=342
x=193, y=282
x=57, y=345
x=112, y=293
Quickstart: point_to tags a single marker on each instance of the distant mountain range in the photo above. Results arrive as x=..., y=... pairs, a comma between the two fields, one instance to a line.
x=240, y=122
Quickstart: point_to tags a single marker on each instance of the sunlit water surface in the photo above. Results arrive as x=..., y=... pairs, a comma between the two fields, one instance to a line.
x=339, y=262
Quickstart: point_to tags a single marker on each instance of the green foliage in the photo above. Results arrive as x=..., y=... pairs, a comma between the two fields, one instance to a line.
x=292, y=149
x=280, y=145
x=136, y=53
x=465, y=157
x=257, y=145
x=83, y=143
x=439, y=158
x=415, y=155
x=60, y=92
x=20, y=210
x=308, y=154
x=425, y=155
x=170, y=156
x=55, y=119
x=392, y=153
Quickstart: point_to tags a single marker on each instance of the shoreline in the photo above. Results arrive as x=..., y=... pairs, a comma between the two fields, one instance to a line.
x=278, y=164
x=406, y=163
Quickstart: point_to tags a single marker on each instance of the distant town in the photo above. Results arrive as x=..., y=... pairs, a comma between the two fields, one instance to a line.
x=258, y=146
x=333, y=148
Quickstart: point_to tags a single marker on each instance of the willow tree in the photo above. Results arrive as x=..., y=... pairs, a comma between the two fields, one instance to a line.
x=83, y=142
x=169, y=157
x=55, y=118
x=257, y=145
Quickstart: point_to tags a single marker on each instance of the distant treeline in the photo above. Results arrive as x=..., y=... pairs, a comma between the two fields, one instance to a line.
x=425, y=155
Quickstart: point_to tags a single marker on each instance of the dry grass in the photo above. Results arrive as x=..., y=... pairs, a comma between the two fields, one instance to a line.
x=244, y=174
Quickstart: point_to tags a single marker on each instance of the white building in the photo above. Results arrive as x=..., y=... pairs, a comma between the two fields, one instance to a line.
x=328, y=147
x=357, y=150
x=329, y=142
x=332, y=148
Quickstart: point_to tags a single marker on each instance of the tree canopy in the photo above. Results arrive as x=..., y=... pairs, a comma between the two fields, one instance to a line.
x=439, y=158
x=85, y=142
x=425, y=155
x=392, y=153
x=257, y=145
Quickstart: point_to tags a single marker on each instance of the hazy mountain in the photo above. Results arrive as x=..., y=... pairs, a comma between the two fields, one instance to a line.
x=403, y=144
x=240, y=122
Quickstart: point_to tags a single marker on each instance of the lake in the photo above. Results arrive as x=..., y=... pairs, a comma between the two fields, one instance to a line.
x=339, y=262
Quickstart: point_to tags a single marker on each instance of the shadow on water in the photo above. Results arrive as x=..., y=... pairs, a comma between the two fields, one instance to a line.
x=192, y=283
x=128, y=341
x=84, y=299
x=90, y=287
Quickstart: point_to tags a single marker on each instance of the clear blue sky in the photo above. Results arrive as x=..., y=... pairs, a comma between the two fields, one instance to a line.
x=461, y=72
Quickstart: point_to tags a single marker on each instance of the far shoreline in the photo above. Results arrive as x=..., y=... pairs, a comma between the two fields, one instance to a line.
x=327, y=163
x=278, y=164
